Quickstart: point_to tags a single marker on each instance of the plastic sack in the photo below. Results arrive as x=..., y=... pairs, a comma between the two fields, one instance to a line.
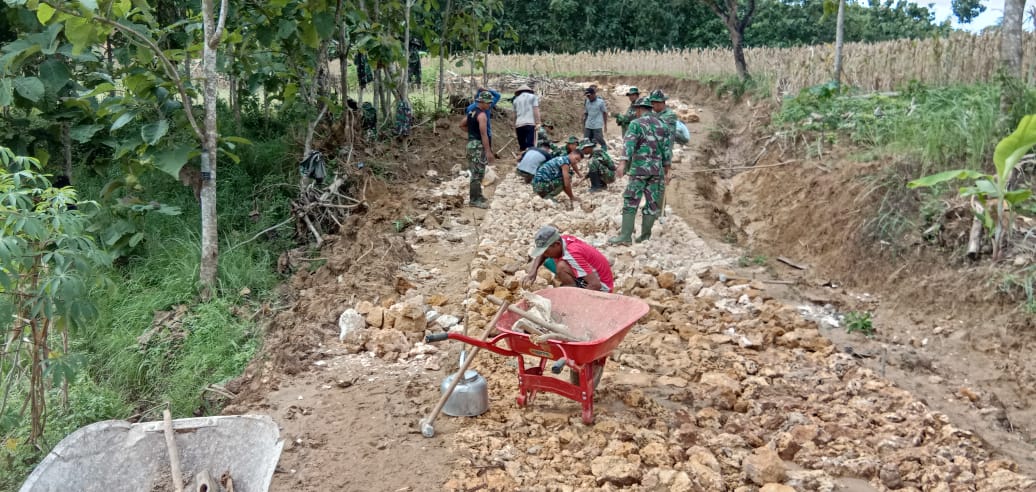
x=683, y=135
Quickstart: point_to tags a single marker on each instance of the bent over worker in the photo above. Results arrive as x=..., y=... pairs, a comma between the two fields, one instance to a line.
x=576, y=264
x=647, y=155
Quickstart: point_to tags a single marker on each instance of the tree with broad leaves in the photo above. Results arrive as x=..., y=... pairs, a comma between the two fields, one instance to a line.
x=736, y=23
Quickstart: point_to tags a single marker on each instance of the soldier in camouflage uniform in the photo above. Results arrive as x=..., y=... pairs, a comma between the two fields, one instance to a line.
x=555, y=176
x=479, y=152
x=662, y=112
x=631, y=114
x=646, y=157
x=404, y=119
x=369, y=121
x=571, y=145
x=543, y=136
x=601, y=168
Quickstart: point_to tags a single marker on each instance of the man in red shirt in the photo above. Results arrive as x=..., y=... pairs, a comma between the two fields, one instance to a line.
x=577, y=264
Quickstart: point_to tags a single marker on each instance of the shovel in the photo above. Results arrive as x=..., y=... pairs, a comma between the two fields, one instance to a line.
x=427, y=424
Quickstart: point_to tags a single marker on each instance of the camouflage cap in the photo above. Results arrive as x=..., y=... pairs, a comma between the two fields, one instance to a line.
x=548, y=124
x=485, y=96
x=587, y=143
x=633, y=91
x=572, y=140
x=657, y=96
x=642, y=103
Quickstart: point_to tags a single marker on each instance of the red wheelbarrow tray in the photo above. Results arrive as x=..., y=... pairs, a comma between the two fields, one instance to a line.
x=604, y=319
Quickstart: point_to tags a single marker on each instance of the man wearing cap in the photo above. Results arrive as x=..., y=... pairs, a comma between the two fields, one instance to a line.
x=489, y=112
x=631, y=114
x=555, y=176
x=662, y=112
x=532, y=159
x=479, y=153
x=600, y=169
x=571, y=145
x=646, y=156
x=576, y=264
x=595, y=117
x=527, y=116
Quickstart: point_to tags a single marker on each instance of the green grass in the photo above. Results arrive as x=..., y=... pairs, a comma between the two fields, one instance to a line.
x=939, y=128
x=120, y=377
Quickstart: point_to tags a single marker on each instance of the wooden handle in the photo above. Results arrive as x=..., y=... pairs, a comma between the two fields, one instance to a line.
x=463, y=367
x=174, y=454
x=550, y=326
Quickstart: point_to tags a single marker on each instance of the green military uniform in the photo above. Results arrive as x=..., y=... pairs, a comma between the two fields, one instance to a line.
x=624, y=119
x=648, y=153
x=560, y=151
x=542, y=136
x=600, y=166
x=667, y=115
x=476, y=154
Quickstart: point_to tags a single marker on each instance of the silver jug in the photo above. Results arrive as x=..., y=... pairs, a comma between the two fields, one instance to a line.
x=470, y=398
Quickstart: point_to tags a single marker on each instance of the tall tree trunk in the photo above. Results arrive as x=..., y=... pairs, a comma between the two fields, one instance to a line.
x=66, y=146
x=235, y=98
x=209, y=232
x=839, y=42
x=1011, y=54
x=737, y=41
x=442, y=52
x=485, y=64
x=405, y=90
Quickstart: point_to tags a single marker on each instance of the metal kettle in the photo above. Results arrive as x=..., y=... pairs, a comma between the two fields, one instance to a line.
x=471, y=396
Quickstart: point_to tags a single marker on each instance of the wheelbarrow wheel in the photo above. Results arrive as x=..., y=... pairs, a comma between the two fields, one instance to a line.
x=573, y=375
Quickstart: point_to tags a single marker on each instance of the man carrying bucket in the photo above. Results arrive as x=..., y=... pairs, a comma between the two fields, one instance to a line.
x=574, y=263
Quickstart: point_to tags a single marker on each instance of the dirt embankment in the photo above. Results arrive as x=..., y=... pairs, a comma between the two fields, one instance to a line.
x=943, y=330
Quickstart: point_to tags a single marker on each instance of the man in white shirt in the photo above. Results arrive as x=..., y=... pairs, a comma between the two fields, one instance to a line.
x=527, y=116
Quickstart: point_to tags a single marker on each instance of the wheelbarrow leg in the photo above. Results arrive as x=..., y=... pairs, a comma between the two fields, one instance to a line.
x=589, y=377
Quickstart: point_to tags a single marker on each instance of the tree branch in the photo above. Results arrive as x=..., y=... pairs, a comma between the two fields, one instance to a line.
x=216, y=36
x=749, y=13
x=142, y=40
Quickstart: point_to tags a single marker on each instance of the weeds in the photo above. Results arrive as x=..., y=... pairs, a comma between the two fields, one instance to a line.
x=859, y=321
x=749, y=260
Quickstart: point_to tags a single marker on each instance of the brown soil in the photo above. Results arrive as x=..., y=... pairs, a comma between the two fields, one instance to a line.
x=682, y=401
x=944, y=332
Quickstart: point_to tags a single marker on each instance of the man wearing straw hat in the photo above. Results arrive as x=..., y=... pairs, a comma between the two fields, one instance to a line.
x=527, y=117
x=631, y=114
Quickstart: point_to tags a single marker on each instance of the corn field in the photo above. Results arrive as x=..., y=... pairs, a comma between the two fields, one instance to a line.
x=958, y=58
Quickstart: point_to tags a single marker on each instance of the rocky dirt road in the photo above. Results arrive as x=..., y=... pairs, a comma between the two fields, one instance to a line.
x=722, y=386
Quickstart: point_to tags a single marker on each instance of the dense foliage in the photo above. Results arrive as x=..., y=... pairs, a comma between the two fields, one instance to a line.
x=569, y=26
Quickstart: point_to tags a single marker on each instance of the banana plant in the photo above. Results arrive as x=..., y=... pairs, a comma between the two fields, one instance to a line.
x=991, y=190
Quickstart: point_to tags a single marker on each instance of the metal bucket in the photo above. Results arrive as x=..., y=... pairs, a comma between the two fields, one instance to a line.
x=469, y=399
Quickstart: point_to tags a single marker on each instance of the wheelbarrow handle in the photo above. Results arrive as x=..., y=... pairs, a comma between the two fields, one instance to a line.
x=437, y=337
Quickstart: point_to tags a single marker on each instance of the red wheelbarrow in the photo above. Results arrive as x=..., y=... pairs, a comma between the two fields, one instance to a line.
x=603, y=319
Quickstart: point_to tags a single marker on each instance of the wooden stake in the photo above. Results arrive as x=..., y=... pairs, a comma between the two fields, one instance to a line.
x=174, y=454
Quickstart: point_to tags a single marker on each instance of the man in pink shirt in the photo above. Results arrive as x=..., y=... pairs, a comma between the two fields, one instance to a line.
x=577, y=264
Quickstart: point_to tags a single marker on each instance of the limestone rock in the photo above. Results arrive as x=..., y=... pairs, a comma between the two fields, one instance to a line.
x=364, y=307
x=615, y=470
x=376, y=316
x=352, y=330
x=703, y=467
x=667, y=280
x=388, y=344
x=656, y=454
x=776, y=487
x=764, y=466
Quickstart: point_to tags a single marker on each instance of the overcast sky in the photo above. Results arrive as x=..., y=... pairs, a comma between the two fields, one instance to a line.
x=994, y=11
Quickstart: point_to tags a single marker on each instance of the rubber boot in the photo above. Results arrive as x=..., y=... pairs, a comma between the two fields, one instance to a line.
x=596, y=183
x=626, y=234
x=646, y=223
x=475, y=198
